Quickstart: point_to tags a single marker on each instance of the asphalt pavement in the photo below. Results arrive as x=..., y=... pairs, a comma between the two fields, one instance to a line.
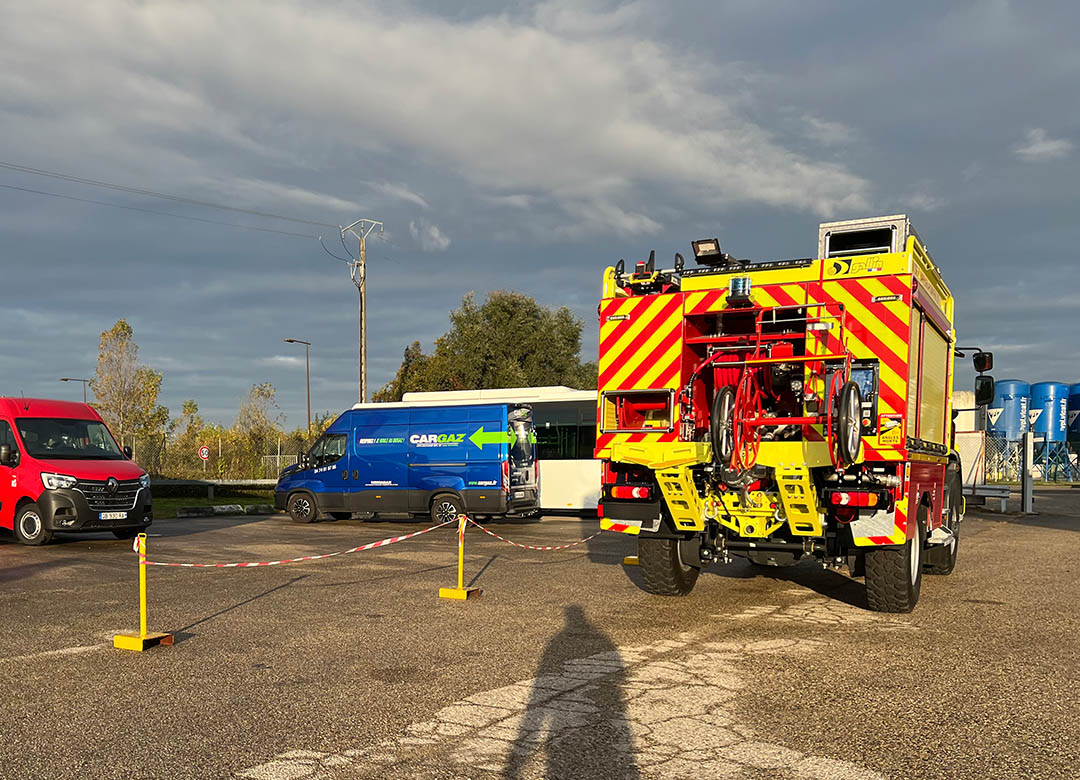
x=352, y=667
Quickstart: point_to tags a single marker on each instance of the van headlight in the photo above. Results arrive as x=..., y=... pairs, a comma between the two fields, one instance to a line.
x=144, y=481
x=58, y=481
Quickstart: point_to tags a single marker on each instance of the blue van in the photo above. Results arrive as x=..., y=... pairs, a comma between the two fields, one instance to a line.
x=421, y=460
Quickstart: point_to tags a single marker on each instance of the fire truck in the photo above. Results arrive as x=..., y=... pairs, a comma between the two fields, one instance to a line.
x=785, y=410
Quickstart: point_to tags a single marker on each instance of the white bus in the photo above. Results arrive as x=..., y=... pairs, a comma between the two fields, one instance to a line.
x=565, y=422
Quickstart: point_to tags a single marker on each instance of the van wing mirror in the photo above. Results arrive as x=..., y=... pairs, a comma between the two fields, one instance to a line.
x=984, y=361
x=6, y=458
x=984, y=390
x=127, y=451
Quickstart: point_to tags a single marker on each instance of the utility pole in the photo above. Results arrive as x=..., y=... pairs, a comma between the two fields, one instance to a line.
x=85, y=382
x=360, y=230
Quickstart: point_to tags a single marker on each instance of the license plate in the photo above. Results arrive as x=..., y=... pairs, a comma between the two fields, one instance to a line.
x=519, y=494
x=113, y=516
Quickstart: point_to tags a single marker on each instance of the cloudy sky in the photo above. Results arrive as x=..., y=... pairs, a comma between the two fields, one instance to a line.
x=507, y=145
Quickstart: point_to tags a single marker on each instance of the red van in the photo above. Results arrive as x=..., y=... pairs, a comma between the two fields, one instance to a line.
x=62, y=470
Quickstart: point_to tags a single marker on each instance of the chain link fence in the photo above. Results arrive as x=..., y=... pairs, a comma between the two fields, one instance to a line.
x=1053, y=462
x=227, y=458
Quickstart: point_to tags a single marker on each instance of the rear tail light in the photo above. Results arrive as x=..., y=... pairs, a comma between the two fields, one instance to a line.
x=855, y=498
x=506, y=476
x=630, y=491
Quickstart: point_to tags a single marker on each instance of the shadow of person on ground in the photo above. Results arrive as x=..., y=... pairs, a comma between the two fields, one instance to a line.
x=583, y=733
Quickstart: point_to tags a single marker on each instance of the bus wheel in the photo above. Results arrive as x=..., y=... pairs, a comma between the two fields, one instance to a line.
x=302, y=508
x=446, y=508
x=29, y=527
x=894, y=574
x=941, y=558
x=662, y=568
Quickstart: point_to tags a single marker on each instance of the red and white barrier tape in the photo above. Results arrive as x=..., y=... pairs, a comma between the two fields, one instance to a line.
x=250, y=564
x=530, y=546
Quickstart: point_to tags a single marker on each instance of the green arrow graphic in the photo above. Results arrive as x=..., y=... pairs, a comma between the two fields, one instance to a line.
x=482, y=437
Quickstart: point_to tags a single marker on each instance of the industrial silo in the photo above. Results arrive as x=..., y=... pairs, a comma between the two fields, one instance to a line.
x=1073, y=434
x=1048, y=414
x=1007, y=419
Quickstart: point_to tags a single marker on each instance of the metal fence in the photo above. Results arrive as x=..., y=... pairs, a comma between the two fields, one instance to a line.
x=1050, y=463
x=225, y=459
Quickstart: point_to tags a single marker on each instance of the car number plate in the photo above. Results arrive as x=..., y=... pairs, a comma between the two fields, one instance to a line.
x=113, y=515
x=519, y=494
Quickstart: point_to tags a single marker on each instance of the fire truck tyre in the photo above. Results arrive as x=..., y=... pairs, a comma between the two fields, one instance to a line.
x=894, y=574
x=941, y=558
x=302, y=508
x=29, y=528
x=445, y=508
x=125, y=533
x=849, y=423
x=662, y=568
x=721, y=425
x=341, y=515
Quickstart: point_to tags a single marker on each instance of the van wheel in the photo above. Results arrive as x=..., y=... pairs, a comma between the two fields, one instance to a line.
x=446, y=508
x=894, y=574
x=29, y=526
x=302, y=508
x=662, y=568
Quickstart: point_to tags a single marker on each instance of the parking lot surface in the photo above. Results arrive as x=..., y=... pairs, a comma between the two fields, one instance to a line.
x=352, y=667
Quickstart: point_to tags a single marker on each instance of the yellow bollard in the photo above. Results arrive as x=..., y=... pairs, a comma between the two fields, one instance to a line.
x=142, y=640
x=460, y=592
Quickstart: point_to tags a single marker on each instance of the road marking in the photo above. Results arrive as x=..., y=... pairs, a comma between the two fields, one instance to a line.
x=662, y=710
x=60, y=652
x=822, y=611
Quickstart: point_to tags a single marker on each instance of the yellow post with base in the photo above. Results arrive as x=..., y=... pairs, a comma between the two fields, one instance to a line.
x=460, y=592
x=142, y=640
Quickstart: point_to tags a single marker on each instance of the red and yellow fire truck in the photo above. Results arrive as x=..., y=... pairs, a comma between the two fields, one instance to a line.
x=786, y=409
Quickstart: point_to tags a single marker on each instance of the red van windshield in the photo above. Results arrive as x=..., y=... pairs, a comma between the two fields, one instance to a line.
x=49, y=438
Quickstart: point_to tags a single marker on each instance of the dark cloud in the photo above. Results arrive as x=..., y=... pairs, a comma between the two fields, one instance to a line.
x=531, y=146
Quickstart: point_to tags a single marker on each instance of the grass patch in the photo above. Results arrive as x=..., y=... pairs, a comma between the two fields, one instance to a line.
x=165, y=507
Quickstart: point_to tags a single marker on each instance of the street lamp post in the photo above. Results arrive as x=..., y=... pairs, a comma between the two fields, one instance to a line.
x=85, y=382
x=307, y=375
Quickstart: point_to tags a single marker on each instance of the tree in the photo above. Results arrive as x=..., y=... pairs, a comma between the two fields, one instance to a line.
x=126, y=392
x=508, y=341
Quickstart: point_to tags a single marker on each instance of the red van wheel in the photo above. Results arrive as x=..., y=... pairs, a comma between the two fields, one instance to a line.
x=29, y=528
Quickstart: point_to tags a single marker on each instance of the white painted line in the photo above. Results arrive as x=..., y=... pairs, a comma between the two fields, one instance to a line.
x=59, y=652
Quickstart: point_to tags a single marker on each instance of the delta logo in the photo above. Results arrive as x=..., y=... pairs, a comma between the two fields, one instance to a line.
x=436, y=439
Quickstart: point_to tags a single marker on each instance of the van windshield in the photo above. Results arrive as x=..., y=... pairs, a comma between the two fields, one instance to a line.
x=60, y=439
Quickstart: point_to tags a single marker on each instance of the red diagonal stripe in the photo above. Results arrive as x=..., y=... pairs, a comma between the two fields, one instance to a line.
x=632, y=351
x=649, y=363
x=882, y=313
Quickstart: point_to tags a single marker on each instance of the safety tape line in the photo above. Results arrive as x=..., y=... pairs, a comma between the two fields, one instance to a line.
x=250, y=564
x=533, y=547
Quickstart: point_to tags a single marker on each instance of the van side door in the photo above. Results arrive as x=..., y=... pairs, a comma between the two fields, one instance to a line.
x=380, y=471
x=8, y=477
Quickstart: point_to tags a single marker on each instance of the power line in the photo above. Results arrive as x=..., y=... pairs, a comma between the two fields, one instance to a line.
x=154, y=194
x=159, y=213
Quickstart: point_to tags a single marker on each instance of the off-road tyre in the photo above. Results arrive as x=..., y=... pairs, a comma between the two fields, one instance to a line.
x=662, y=568
x=941, y=558
x=721, y=426
x=340, y=515
x=302, y=508
x=894, y=574
x=29, y=527
x=848, y=423
x=445, y=507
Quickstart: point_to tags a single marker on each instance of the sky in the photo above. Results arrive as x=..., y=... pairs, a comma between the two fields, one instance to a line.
x=522, y=145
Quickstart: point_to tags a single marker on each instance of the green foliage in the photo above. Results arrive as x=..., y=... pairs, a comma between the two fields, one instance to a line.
x=126, y=392
x=508, y=341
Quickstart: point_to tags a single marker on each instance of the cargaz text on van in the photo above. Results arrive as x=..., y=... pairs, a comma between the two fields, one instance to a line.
x=62, y=470
x=417, y=459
